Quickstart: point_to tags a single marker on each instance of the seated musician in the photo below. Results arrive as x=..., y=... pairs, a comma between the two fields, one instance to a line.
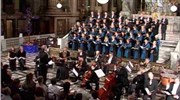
x=147, y=64
x=150, y=87
x=21, y=54
x=94, y=78
x=80, y=66
x=173, y=90
x=139, y=81
x=98, y=59
x=110, y=63
x=64, y=55
x=81, y=53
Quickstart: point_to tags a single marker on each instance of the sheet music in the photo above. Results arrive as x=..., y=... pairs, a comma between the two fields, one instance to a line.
x=128, y=68
x=99, y=73
x=131, y=64
x=75, y=72
x=50, y=62
x=141, y=47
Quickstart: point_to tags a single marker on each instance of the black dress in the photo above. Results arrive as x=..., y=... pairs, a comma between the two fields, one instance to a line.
x=12, y=60
x=22, y=61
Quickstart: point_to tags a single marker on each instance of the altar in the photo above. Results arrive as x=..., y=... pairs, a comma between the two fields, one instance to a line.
x=32, y=48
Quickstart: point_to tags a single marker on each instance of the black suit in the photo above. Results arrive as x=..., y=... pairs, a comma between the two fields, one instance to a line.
x=152, y=88
x=155, y=28
x=110, y=66
x=93, y=79
x=170, y=97
x=122, y=82
x=164, y=23
x=22, y=61
x=43, y=64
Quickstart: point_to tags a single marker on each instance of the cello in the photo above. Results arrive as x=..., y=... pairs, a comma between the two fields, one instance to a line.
x=106, y=93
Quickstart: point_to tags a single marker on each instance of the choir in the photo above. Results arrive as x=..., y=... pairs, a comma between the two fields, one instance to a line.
x=126, y=37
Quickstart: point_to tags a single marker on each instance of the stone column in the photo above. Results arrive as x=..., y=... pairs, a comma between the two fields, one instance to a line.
x=16, y=5
x=92, y=5
x=105, y=7
x=119, y=5
x=52, y=4
x=74, y=6
x=132, y=6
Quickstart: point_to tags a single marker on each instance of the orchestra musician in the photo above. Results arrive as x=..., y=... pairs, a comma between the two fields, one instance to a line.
x=12, y=59
x=173, y=90
x=150, y=87
x=80, y=67
x=98, y=59
x=21, y=54
x=94, y=78
x=64, y=55
x=81, y=53
x=111, y=62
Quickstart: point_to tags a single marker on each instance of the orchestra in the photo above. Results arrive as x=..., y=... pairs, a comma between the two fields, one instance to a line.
x=107, y=39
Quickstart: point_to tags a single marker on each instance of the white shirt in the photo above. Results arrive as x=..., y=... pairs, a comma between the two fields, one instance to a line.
x=110, y=59
x=53, y=89
x=175, y=87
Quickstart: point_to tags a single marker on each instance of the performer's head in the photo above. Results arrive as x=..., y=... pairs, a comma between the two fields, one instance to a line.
x=12, y=49
x=147, y=60
x=110, y=54
x=65, y=49
x=150, y=75
x=44, y=48
x=97, y=52
x=21, y=48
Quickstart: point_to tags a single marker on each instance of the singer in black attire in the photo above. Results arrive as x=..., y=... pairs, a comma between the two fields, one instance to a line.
x=21, y=54
x=12, y=59
x=43, y=64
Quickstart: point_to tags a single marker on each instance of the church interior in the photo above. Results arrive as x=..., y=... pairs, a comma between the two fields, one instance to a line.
x=90, y=49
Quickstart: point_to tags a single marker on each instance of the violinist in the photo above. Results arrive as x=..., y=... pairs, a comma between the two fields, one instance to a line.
x=80, y=66
x=94, y=78
x=64, y=55
x=12, y=59
x=150, y=87
x=111, y=62
x=21, y=54
x=173, y=90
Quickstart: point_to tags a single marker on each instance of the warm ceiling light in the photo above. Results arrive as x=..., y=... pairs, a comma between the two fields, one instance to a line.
x=173, y=8
x=59, y=5
x=102, y=1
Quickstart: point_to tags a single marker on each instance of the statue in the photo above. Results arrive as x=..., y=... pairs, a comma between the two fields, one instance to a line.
x=125, y=5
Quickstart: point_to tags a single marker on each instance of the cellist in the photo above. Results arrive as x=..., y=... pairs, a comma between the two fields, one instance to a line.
x=94, y=78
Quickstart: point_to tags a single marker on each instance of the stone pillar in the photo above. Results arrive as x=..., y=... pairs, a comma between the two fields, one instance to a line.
x=74, y=6
x=110, y=5
x=119, y=5
x=105, y=7
x=51, y=4
x=92, y=5
x=132, y=6
x=16, y=5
